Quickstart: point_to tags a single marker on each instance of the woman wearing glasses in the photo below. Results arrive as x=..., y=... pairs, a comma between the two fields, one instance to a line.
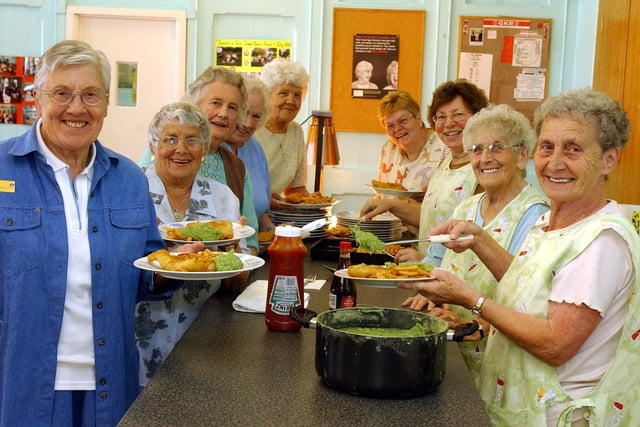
x=499, y=140
x=75, y=216
x=453, y=103
x=179, y=138
x=565, y=317
x=412, y=150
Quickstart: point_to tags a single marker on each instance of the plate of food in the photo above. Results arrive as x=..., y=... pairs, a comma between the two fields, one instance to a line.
x=387, y=275
x=217, y=232
x=308, y=201
x=397, y=192
x=203, y=265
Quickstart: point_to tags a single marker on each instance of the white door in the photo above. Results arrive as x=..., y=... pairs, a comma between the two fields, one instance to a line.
x=152, y=41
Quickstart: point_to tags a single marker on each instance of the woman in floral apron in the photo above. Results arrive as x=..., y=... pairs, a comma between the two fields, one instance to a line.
x=499, y=139
x=564, y=343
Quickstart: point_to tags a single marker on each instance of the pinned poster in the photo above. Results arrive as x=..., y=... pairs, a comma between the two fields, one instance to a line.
x=249, y=56
x=508, y=58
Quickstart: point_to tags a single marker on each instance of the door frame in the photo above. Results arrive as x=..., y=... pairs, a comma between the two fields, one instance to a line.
x=179, y=18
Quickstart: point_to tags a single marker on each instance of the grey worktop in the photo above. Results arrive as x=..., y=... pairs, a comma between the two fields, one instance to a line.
x=229, y=369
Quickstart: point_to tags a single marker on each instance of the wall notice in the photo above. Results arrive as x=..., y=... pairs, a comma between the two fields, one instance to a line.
x=375, y=65
x=249, y=56
x=508, y=58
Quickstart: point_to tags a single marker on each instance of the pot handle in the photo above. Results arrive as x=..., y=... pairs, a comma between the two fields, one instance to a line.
x=464, y=330
x=307, y=315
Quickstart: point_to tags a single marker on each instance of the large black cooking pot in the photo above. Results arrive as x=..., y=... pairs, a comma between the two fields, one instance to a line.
x=378, y=366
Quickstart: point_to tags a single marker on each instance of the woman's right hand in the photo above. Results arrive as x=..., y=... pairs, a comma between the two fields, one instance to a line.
x=275, y=201
x=373, y=207
x=418, y=303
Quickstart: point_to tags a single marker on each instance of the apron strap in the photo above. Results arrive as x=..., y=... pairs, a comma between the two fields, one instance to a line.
x=566, y=416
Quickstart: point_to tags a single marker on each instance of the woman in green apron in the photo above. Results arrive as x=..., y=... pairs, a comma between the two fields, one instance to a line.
x=564, y=340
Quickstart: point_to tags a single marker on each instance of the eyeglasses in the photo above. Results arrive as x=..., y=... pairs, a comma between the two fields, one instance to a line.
x=441, y=119
x=495, y=149
x=391, y=127
x=192, y=143
x=89, y=97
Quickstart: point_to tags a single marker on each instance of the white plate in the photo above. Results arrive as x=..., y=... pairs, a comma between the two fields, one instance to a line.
x=378, y=283
x=239, y=232
x=354, y=217
x=394, y=192
x=249, y=262
x=309, y=205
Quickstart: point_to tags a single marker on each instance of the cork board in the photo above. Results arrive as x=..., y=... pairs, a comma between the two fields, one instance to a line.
x=507, y=57
x=359, y=114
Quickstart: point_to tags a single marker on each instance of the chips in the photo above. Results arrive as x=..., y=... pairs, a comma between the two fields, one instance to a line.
x=308, y=199
x=393, y=249
x=391, y=271
x=339, y=231
x=390, y=185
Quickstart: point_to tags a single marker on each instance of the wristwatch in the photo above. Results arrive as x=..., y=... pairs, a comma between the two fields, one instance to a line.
x=477, y=309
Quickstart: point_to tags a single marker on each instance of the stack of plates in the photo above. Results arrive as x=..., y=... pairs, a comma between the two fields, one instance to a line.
x=386, y=227
x=301, y=217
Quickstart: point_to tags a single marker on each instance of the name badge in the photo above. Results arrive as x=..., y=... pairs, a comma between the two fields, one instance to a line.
x=7, y=186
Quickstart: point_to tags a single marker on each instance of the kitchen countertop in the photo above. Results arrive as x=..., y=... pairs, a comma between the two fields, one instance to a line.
x=229, y=369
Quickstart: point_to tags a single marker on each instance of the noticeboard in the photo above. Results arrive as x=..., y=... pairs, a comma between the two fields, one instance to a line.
x=507, y=57
x=355, y=110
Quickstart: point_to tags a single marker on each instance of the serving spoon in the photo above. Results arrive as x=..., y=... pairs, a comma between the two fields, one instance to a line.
x=438, y=238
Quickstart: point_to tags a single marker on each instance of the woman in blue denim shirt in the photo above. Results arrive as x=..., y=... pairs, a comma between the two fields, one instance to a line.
x=74, y=216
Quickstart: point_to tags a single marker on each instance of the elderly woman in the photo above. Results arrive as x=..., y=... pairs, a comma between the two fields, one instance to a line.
x=499, y=139
x=179, y=136
x=412, y=150
x=453, y=103
x=222, y=96
x=248, y=149
x=282, y=138
x=563, y=343
x=75, y=216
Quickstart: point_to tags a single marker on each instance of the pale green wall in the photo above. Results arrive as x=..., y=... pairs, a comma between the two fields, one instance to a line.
x=31, y=26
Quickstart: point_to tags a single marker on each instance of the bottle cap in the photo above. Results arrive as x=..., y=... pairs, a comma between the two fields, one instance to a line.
x=288, y=231
x=345, y=245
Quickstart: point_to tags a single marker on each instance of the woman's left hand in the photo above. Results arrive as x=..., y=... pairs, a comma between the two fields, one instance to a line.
x=444, y=289
x=408, y=255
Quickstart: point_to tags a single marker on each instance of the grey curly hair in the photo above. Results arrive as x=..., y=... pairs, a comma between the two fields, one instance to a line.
x=283, y=71
x=184, y=113
x=588, y=105
x=503, y=120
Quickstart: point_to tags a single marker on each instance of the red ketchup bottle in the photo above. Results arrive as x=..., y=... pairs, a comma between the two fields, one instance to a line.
x=343, y=292
x=286, y=278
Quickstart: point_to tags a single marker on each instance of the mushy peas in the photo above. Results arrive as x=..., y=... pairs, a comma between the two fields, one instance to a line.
x=416, y=331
